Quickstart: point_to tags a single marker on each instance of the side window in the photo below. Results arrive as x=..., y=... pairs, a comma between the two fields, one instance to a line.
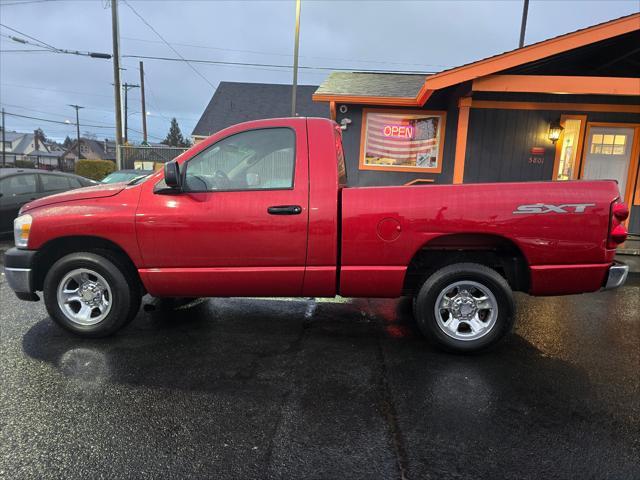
x=54, y=183
x=18, y=185
x=253, y=160
x=75, y=183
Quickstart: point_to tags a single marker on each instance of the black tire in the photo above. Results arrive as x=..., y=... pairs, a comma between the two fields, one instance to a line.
x=125, y=290
x=439, y=281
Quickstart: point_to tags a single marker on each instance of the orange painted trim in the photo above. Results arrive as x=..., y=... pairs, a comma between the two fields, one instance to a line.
x=388, y=101
x=633, y=159
x=385, y=168
x=558, y=84
x=464, y=106
x=571, y=107
x=423, y=95
x=556, y=162
x=534, y=52
x=634, y=168
x=332, y=110
x=420, y=180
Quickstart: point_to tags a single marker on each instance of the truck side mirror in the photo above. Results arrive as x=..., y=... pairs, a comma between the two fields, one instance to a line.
x=172, y=175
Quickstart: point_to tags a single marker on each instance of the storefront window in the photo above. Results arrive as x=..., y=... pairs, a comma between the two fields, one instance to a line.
x=402, y=141
x=569, y=153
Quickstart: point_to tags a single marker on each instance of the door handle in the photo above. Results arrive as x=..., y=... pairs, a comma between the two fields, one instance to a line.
x=285, y=210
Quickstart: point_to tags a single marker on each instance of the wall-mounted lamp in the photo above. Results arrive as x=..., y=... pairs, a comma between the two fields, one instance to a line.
x=344, y=123
x=555, y=129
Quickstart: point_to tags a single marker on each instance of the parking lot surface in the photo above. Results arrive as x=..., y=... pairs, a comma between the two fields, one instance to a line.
x=267, y=388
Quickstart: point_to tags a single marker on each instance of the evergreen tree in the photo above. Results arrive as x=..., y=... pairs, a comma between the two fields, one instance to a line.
x=67, y=142
x=42, y=137
x=174, y=137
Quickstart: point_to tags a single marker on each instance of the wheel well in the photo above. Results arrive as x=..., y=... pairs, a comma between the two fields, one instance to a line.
x=493, y=251
x=54, y=250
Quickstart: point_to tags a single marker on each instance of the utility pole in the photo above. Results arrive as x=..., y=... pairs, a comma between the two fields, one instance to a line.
x=523, y=26
x=77, y=107
x=127, y=87
x=3, y=144
x=144, y=109
x=116, y=79
x=295, y=61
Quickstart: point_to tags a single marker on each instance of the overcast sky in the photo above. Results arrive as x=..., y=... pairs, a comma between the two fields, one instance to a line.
x=395, y=35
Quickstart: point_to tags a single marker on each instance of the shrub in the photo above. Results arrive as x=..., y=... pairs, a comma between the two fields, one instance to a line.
x=25, y=164
x=94, y=169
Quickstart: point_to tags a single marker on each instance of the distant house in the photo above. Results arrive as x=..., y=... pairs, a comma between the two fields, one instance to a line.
x=91, y=149
x=27, y=148
x=23, y=144
x=235, y=102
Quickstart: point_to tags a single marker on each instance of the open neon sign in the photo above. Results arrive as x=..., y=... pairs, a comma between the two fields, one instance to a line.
x=399, y=131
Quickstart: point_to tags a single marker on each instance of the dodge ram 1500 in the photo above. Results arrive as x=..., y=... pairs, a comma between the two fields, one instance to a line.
x=263, y=209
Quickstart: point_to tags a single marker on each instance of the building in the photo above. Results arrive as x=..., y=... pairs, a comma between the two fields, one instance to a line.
x=562, y=109
x=90, y=149
x=26, y=149
x=235, y=102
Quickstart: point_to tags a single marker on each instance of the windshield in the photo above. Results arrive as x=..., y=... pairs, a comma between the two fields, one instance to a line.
x=116, y=177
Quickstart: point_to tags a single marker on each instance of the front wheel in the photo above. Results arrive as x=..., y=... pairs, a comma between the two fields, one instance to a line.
x=91, y=295
x=465, y=307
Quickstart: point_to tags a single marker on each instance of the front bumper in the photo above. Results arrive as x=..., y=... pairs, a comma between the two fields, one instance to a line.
x=617, y=275
x=19, y=272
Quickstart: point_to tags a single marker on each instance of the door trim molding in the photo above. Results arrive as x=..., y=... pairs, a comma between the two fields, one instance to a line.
x=632, y=170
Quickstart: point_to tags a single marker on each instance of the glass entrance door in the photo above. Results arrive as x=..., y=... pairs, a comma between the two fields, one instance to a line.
x=608, y=154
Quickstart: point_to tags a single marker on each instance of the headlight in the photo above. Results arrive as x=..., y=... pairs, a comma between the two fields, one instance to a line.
x=21, y=229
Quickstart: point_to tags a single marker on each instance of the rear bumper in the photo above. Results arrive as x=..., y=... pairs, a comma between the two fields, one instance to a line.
x=19, y=272
x=617, y=275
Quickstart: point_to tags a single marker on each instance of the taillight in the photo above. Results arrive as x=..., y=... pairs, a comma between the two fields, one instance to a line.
x=617, y=230
x=620, y=211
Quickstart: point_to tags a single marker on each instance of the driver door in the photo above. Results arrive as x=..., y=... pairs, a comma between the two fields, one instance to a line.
x=239, y=228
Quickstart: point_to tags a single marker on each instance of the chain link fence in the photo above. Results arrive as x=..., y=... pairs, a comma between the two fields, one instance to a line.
x=147, y=157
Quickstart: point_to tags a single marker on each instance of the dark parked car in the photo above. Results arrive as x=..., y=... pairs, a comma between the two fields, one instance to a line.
x=21, y=185
x=125, y=175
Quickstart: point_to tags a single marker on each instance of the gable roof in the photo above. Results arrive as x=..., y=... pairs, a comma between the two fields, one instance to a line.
x=481, y=68
x=236, y=102
x=96, y=146
x=533, y=52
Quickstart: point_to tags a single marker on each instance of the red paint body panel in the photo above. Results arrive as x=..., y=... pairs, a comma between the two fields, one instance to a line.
x=225, y=282
x=110, y=218
x=352, y=241
x=428, y=213
x=567, y=279
x=220, y=230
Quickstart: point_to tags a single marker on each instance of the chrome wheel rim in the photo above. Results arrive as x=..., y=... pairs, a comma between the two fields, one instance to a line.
x=466, y=310
x=84, y=296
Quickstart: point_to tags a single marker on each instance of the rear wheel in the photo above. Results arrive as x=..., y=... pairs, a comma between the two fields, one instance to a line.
x=465, y=307
x=91, y=295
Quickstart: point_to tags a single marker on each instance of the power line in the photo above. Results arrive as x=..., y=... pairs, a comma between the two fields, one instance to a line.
x=57, y=121
x=54, y=90
x=53, y=49
x=28, y=36
x=167, y=43
x=289, y=55
x=28, y=2
x=272, y=65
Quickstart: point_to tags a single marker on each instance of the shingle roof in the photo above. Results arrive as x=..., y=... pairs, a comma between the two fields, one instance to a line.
x=372, y=84
x=235, y=102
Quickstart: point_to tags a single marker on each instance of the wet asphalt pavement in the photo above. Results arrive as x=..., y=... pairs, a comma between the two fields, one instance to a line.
x=234, y=388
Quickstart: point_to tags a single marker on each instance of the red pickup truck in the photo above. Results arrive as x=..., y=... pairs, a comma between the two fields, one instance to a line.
x=262, y=209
